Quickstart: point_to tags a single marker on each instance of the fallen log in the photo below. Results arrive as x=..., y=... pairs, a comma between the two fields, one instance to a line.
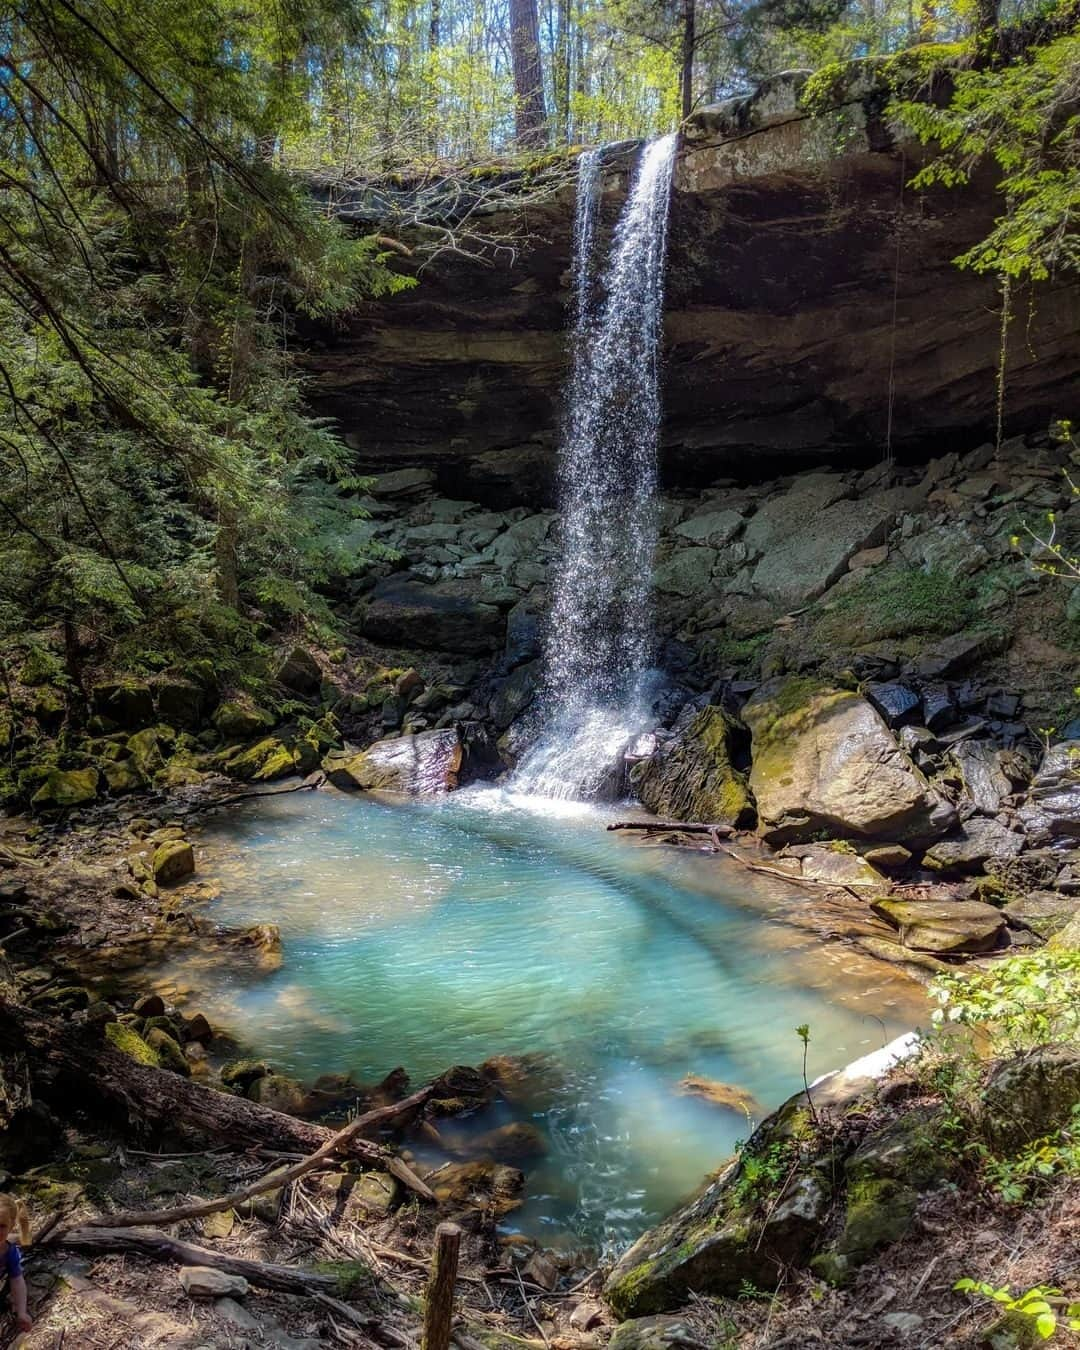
x=160, y=1246
x=271, y=1182
x=684, y=826
x=312, y=782
x=68, y=1064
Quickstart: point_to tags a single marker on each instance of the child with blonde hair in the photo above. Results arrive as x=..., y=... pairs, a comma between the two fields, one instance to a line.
x=14, y=1229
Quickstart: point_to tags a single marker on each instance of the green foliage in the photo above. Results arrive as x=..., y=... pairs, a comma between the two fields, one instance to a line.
x=1023, y=116
x=897, y=602
x=1055, y=1154
x=164, y=491
x=762, y=1173
x=1041, y=1304
x=1020, y=1002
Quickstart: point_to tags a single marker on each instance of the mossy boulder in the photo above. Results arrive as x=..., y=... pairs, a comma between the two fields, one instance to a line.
x=264, y=760
x=169, y=1054
x=172, y=861
x=67, y=787
x=278, y=1093
x=300, y=672
x=237, y=721
x=128, y=703
x=1029, y=1096
x=145, y=752
x=239, y=1074
x=122, y=776
x=693, y=778
x=180, y=701
x=824, y=760
x=664, y=1332
x=128, y=1041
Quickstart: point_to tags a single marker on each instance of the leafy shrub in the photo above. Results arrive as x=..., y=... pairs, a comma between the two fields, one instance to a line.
x=1019, y=1003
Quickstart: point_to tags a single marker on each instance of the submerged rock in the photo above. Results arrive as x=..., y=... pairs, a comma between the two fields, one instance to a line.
x=428, y=762
x=823, y=759
x=725, y=1095
x=692, y=777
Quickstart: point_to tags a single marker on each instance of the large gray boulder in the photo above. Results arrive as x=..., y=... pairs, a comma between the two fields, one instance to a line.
x=814, y=550
x=824, y=760
x=428, y=763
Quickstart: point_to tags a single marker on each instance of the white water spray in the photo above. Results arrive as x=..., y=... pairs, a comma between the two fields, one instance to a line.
x=599, y=639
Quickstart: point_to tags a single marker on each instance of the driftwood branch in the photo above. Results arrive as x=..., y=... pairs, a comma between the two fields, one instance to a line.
x=310, y=783
x=684, y=826
x=273, y=1180
x=161, y=1247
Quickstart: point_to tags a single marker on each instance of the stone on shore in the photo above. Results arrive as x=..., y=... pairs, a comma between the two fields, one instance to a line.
x=823, y=759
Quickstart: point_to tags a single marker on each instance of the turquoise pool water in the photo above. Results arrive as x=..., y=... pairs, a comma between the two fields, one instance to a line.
x=431, y=934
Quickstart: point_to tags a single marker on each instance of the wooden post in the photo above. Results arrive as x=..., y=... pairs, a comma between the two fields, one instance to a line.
x=439, y=1296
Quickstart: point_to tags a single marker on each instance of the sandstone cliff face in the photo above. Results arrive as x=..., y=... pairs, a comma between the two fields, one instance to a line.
x=793, y=239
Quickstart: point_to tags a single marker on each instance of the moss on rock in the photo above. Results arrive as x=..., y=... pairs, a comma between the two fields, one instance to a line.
x=128, y=1041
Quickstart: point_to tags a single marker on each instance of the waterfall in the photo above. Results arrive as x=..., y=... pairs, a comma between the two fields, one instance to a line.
x=599, y=635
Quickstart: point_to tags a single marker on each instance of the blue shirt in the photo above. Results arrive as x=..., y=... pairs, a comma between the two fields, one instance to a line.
x=13, y=1261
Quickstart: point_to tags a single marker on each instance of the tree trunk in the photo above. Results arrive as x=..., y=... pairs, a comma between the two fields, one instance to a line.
x=986, y=14
x=686, y=78
x=529, y=111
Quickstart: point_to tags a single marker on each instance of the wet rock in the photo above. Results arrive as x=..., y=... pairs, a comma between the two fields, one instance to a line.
x=715, y=529
x=121, y=777
x=300, y=672
x=265, y=940
x=263, y=761
x=523, y=632
x=150, y=1005
x=823, y=759
x=943, y=927
x=428, y=762
x=973, y=845
x=196, y=1028
x=938, y=708
x=172, y=861
x=686, y=573
x=239, y=1074
x=895, y=702
x=515, y=694
x=479, y=1185
x=986, y=783
x=1052, y=808
x=278, y=1093
x=204, y=1282
x=692, y=776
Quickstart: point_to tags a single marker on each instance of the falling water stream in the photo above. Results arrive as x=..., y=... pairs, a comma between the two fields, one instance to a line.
x=599, y=646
